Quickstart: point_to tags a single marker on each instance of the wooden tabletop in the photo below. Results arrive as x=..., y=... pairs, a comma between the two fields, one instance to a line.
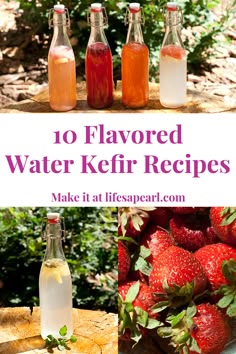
x=197, y=102
x=96, y=332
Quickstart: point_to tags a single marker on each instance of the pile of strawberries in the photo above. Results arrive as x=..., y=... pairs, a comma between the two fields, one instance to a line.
x=177, y=276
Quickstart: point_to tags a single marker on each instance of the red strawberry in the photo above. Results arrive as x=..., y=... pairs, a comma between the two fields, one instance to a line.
x=174, y=269
x=223, y=220
x=198, y=329
x=157, y=240
x=123, y=261
x=192, y=231
x=160, y=216
x=211, y=258
x=135, y=310
x=131, y=221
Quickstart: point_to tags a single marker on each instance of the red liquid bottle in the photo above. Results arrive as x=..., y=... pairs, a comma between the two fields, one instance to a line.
x=98, y=61
x=135, y=61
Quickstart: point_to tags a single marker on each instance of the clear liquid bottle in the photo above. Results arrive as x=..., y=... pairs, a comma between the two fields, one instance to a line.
x=55, y=286
x=98, y=61
x=173, y=61
x=61, y=62
x=135, y=61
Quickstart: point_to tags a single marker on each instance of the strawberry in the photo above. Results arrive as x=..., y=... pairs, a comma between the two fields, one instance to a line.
x=160, y=216
x=211, y=258
x=223, y=220
x=123, y=261
x=157, y=240
x=219, y=263
x=197, y=329
x=192, y=231
x=176, y=276
x=135, y=310
x=132, y=221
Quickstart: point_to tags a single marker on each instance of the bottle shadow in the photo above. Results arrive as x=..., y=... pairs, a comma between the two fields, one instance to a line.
x=22, y=345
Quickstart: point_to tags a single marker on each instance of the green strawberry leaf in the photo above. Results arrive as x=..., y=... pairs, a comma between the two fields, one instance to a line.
x=144, y=252
x=225, y=301
x=226, y=210
x=165, y=332
x=194, y=346
x=228, y=219
x=191, y=311
x=231, y=310
x=61, y=347
x=152, y=323
x=132, y=292
x=160, y=306
x=142, y=316
x=175, y=320
x=128, y=239
x=135, y=336
x=137, y=222
x=182, y=339
x=63, y=331
x=143, y=266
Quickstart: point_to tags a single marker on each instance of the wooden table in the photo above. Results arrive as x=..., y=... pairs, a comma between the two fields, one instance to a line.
x=96, y=332
x=197, y=102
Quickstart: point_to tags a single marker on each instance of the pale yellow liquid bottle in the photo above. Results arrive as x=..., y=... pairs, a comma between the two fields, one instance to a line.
x=55, y=286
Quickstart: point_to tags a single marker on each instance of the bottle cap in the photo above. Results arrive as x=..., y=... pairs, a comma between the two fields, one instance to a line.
x=53, y=218
x=172, y=6
x=59, y=8
x=134, y=7
x=96, y=7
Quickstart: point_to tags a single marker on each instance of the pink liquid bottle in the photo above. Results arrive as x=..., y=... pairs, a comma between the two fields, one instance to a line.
x=173, y=61
x=61, y=63
x=98, y=61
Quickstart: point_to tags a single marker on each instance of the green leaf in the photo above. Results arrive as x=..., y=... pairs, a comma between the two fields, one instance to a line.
x=63, y=331
x=229, y=219
x=194, y=346
x=142, y=316
x=177, y=318
x=160, y=306
x=165, y=332
x=144, y=266
x=144, y=252
x=181, y=339
x=152, y=323
x=191, y=310
x=231, y=310
x=132, y=292
x=225, y=301
x=73, y=339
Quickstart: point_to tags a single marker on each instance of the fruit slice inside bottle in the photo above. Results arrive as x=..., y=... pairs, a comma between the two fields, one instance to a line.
x=56, y=269
x=173, y=51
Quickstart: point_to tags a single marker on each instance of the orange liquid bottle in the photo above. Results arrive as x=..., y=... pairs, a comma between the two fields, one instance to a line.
x=135, y=62
x=61, y=63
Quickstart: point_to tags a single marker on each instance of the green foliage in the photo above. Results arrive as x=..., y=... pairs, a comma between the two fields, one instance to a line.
x=199, y=22
x=90, y=250
x=60, y=343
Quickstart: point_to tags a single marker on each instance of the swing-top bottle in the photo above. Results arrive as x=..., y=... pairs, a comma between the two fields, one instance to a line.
x=135, y=61
x=61, y=62
x=98, y=61
x=55, y=286
x=173, y=60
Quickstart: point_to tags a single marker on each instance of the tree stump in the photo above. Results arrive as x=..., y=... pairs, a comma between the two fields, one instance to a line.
x=197, y=102
x=96, y=332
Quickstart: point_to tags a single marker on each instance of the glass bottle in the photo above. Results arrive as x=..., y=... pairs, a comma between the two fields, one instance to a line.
x=173, y=61
x=135, y=61
x=55, y=286
x=98, y=61
x=61, y=62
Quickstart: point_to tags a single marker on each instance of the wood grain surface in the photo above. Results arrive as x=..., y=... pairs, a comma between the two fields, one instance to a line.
x=96, y=332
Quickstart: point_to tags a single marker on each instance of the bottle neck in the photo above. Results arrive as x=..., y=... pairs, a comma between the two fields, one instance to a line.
x=54, y=242
x=172, y=33
x=60, y=36
x=97, y=33
x=135, y=33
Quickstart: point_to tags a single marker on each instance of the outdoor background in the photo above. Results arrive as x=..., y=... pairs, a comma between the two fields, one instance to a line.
x=209, y=34
x=90, y=250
